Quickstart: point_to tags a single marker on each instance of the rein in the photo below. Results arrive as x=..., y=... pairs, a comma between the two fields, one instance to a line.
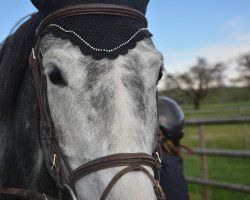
x=58, y=166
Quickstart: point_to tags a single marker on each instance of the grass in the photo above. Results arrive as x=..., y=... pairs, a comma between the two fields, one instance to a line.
x=232, y=170
x=218, y=110
x=218, y=136
x=219, y=105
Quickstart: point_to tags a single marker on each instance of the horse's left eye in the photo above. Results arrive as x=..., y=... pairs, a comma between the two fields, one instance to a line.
x=55, y=76
x=160, y=74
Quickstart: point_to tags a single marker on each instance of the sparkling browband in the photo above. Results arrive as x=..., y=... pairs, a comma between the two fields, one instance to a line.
x=94, y=48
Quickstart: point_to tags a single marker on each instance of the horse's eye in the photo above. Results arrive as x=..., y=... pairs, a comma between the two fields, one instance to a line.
x=55, y=76
x=160, y=74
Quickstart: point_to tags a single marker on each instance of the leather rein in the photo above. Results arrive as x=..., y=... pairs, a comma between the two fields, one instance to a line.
x=57, y=164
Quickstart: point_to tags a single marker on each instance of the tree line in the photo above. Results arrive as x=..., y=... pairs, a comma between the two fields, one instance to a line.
x=197, y=82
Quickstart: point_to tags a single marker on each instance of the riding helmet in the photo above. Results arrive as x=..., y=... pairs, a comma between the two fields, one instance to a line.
x=171, y=118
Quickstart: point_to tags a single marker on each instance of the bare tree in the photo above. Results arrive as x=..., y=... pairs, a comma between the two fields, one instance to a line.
x=244, y=68
x=196, y=82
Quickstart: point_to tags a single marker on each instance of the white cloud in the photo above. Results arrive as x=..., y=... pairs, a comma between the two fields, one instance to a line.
x=237, y=42
x=213, y=53
x=241, y=37
x=235, y=23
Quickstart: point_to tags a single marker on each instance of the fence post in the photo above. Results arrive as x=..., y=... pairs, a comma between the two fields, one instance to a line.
x=246, y=136
x=203, y=161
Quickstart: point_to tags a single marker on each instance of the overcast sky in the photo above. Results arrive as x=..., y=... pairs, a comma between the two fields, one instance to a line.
x=183, y=29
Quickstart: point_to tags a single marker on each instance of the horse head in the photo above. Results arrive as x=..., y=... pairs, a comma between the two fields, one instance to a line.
x=98, y=77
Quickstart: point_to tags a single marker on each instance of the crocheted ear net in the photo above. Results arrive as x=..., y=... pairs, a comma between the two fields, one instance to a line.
x=101, y=36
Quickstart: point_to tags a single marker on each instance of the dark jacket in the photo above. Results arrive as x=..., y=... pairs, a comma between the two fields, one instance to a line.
x=172, y=179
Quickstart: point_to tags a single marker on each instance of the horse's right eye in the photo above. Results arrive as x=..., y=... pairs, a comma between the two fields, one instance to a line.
x=55, y=76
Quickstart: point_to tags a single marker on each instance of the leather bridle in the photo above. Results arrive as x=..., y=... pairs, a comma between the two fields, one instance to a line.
x=58, y=166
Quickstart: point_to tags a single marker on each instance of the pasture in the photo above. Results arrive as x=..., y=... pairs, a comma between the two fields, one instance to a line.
x=233, y=137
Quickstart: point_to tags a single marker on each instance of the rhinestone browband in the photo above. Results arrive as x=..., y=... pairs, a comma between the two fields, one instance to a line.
x=94, y=48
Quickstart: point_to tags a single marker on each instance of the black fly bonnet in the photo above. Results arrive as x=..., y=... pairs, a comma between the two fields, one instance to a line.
x=98, y=34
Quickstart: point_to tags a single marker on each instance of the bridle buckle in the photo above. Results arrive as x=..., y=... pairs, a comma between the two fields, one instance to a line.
x=54, y=162
x=158, y=159
x=33, y=54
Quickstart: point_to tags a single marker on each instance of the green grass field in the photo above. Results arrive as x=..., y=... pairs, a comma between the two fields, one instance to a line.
x=219, y=110
x=233, y=137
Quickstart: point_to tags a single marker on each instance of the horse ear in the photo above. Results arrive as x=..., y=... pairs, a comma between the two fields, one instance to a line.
x=39, y=4
x=145, y=5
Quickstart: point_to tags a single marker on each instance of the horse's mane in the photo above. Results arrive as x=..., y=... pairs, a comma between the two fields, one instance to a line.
x=14, y=62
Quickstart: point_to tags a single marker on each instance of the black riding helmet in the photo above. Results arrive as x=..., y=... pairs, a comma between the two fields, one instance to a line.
x=171, y=118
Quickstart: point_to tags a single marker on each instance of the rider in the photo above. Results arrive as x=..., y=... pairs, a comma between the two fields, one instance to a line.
x=171, y=120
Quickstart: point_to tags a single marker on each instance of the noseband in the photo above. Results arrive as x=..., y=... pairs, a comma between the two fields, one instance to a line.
x=57, y=164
